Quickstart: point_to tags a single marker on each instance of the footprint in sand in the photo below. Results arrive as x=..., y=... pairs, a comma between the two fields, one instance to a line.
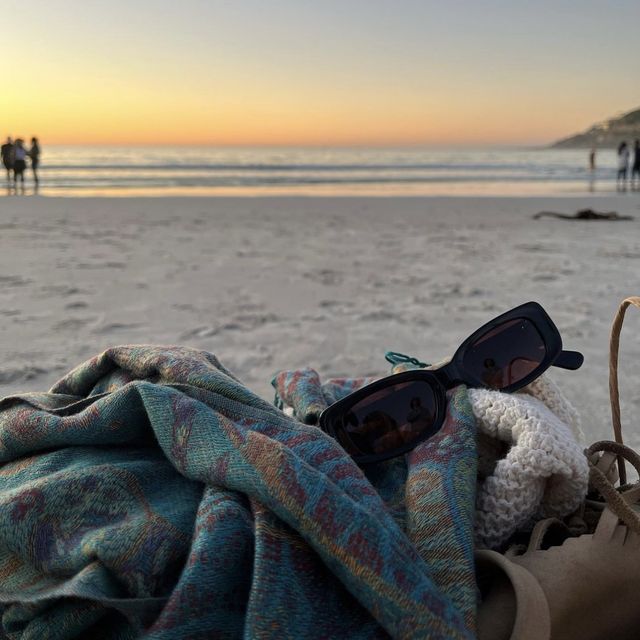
x=535, y=248
x=63, y=290
x=379, y=316
x=80, y=304
x=13, y=281
x=623, y=253
x=199, y=332
x=250, y=321
x=116, y=326
x=241, y=322
x=20, y=374
x=325, y=276
x=109, y=264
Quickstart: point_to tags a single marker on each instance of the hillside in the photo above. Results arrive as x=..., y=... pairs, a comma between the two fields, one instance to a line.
x=605, y=134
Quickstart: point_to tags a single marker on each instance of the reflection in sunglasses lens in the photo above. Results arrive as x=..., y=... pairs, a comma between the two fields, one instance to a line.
x=505, y=355
x=393, y=417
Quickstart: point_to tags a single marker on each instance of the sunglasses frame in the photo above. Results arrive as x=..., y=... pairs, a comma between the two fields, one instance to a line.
x=452, y=374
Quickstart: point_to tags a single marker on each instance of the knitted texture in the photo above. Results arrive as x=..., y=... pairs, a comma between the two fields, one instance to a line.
x=544, y=473
x=548, y=392
x=150, y=493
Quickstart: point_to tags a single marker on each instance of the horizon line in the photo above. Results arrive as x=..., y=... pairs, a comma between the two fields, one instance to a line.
x=399, y=145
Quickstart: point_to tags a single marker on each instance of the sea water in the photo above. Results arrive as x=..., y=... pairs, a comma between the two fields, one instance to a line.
x=158, y=171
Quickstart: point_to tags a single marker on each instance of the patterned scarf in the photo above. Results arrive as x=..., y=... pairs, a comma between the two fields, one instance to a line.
x=150, y=493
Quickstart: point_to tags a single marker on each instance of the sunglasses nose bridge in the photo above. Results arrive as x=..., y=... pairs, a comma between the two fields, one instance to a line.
x=448, y=375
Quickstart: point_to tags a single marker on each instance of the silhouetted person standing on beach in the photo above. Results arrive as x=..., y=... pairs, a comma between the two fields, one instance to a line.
x=635, y=170
x=19, y=161
x=592, y=169
x=623, y=166
x=7, y=157
x=34, y=154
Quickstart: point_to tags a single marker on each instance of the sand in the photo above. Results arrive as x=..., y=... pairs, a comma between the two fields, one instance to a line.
x=332, y=283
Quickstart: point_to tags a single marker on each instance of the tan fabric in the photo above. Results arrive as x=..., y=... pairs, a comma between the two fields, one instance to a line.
x=513, y=603
x=590, y=586
x=591, y=583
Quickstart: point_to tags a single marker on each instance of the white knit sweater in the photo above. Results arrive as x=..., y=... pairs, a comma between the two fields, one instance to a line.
x=544, y=472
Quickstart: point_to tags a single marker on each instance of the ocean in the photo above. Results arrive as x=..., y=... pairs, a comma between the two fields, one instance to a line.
x=161, y=171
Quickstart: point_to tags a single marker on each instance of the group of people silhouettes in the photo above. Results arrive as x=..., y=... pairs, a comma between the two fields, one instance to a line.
x=624, y=157
x=14, y=159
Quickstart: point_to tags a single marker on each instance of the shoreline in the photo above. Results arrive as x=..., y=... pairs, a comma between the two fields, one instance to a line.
x=632, y=195
x=326, y=171
x=401, y=191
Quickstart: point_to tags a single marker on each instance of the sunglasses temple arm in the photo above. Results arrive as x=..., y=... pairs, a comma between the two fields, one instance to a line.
x=569, y=360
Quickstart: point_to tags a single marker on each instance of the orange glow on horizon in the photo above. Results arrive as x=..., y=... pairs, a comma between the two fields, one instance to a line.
x=152, y=123
x=284, y=74
x=97, y=103
x=84, y=107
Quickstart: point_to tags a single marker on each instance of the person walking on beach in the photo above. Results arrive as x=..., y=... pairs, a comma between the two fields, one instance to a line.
x=34, y=154
x=19, y=161
x=635, y=169
x=623, y=166
x=7, y=157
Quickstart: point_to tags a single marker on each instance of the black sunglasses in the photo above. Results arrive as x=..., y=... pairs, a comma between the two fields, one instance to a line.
x=393, y=415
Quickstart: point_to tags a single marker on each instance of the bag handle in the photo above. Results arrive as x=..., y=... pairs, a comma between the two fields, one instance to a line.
x=614, y=393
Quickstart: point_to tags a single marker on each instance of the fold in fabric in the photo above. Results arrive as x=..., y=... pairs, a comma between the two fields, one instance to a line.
x=150, y=494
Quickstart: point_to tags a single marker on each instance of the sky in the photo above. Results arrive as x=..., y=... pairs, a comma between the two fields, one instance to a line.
x=315, y=72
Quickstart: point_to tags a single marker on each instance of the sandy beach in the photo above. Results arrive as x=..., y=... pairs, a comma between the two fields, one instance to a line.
x=331, y=283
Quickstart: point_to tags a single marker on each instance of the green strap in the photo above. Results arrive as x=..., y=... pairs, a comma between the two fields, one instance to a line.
x=394, y=358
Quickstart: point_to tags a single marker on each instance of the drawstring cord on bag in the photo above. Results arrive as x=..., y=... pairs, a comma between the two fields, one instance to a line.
x=601, y=476
x=614, y=497
x=614, y=393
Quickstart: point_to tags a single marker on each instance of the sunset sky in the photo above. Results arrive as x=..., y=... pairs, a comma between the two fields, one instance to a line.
x=311, y=72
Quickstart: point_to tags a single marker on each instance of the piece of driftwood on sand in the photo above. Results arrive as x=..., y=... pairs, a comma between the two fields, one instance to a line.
x=583, y=214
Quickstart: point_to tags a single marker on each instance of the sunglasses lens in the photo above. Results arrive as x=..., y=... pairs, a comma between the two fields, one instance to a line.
x=506, y=354
x=396, y=416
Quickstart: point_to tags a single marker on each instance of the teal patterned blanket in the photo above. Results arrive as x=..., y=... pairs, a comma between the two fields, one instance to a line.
x=150, y=494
